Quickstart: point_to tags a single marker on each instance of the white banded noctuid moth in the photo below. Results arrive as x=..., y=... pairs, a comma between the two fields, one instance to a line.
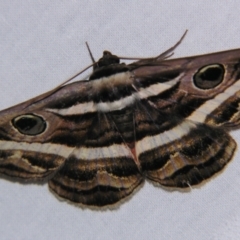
x=158, y=119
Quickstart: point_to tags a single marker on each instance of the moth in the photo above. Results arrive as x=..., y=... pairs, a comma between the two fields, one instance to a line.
x=97, y=140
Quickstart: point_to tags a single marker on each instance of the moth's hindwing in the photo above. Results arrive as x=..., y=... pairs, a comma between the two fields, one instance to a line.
x=96, y=140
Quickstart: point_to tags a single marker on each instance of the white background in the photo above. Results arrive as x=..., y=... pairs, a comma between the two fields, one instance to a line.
x=43, y=43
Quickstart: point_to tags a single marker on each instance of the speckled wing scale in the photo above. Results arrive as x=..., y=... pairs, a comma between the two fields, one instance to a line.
x=97, y=140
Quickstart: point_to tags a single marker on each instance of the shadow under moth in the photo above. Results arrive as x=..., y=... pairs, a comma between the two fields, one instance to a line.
x=97, y=140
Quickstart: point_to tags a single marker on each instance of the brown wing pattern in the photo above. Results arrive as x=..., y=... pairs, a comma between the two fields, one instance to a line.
x=97, y=140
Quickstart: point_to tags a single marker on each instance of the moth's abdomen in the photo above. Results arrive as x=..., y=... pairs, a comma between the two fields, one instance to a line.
x=125, y=125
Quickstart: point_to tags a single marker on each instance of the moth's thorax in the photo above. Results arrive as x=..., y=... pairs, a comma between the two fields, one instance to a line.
x=116, y=80
x=110, y=91
x=109, y=70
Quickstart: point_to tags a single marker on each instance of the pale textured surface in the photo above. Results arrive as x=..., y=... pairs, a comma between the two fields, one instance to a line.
x=43, y=43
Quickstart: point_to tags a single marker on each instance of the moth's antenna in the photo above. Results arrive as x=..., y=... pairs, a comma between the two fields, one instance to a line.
x=162, y=56
x=47, y=94
x=169, y=52
x=90, y=53
x=71, y=78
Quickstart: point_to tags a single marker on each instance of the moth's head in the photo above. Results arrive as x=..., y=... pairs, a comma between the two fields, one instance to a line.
x=106, y=60
x=107, y=65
